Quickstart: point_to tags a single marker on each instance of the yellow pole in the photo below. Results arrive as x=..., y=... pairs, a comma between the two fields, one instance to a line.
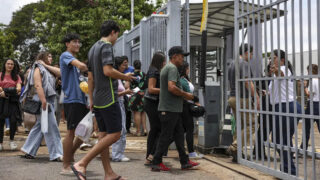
x=204, y=15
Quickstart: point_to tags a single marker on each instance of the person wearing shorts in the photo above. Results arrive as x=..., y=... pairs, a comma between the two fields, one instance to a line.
x=103, y=95
x=74, y=101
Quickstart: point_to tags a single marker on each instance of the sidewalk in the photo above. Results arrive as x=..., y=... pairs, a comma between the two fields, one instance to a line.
x=211, y=167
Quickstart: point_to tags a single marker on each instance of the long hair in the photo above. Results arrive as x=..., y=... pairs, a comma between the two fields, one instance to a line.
x=183, y=70
x=14, y=73
x=157, y=60
x=118, y=61
x=43, y=56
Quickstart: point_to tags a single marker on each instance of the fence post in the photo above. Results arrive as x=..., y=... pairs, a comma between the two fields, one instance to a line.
x=126, y=47
x=174, y=24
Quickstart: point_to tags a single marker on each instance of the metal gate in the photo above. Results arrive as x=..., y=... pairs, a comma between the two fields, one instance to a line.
x=285, y=36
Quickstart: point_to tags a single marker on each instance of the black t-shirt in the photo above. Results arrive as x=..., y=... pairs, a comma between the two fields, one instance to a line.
x=153, y=73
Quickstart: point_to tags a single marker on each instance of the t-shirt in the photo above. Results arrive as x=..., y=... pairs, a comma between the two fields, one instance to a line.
x=315, y=89
x=105, y=91
x=153, y=73
x=8, y=81
x=244, y=73
x=168, y=101
x=70, y=80
x=120, y=89
x=130, y=69
x=274, y=88
x=185, y=84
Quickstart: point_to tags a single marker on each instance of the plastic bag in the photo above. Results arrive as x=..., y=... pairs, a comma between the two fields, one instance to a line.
x=85, y=127
x=44, y=120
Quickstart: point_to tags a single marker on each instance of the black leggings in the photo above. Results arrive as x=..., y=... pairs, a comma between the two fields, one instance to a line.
x=188, y=125
x=13, y=128
x=151, y=108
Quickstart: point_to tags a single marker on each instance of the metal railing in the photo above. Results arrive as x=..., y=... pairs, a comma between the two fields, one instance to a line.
x=274, y=137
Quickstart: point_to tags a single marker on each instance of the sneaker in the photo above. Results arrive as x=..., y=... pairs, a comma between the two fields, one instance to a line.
x=186, y=166
x=83, y=146
x=7, y=131
x=194, y=164
x=1, y=148
x=195, y=155
x=13, y=145
x=125, y=159
x=160, y=167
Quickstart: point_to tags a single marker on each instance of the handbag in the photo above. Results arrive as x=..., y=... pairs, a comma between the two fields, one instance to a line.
x=196, y=111
x=31, y=106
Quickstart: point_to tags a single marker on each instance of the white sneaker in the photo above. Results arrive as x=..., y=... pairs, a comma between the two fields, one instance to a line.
x=195, y=155
x=125, y=159
x=13, y=145
x=1, y=148
x=83, y=146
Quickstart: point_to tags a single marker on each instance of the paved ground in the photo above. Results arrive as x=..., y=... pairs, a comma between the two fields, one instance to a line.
x=41, y=168
x=13, y=167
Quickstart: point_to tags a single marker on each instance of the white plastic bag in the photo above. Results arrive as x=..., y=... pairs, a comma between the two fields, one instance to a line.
x=44, y=120
x=85, y=127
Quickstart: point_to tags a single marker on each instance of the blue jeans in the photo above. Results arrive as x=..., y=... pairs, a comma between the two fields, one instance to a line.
x=52, y=137
x=7, y=120
x=285, y=133
x=308, y=122
x=119, y=146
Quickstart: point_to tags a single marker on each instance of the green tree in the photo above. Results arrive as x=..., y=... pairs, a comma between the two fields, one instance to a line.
x=6, y=47
x=83, y=17
x=26, y=42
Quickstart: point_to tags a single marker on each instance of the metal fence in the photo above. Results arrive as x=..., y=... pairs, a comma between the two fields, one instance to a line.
x=274, y=137
x=159, y=32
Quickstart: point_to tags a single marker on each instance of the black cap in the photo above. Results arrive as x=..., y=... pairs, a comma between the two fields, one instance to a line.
x=177, y=50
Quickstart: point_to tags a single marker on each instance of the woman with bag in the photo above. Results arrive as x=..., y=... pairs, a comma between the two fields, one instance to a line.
x=151, y=101
x=119, y=146
x=187, y=117
x=10, y=88
x=41, y=88
x=136, y=100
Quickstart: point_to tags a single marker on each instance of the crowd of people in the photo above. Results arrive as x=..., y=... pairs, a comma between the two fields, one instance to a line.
x=277, y=95
x=115, y=90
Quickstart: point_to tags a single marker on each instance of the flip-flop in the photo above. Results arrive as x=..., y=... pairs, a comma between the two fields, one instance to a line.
x=77, y=173
x=118, y=178
x=63, y=172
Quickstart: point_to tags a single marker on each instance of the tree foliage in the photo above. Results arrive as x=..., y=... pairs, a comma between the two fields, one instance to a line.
x=42, y=25
x=6, y=47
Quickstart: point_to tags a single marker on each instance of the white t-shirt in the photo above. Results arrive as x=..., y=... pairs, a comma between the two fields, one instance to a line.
x=274, y=89
x=315, y=89
x=191, y=87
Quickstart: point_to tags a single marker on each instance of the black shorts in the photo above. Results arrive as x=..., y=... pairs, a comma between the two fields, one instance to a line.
x=109, y=119
x=74, y=113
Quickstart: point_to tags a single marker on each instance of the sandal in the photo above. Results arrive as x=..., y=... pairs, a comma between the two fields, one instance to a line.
x=27, y=156
x=148, y=162
x=78, y=173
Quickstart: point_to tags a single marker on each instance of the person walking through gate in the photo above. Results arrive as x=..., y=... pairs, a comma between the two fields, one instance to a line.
x=42, y=80
x=103, y=88
x=170, y=108
x=187, y=117
x=280, y=97
x=315, y=92
x=245, y=55
x=10, y=88
x=151, y=102
x=74, y=98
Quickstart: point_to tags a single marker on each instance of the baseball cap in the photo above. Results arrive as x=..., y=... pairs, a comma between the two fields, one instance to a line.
x=177, y=50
